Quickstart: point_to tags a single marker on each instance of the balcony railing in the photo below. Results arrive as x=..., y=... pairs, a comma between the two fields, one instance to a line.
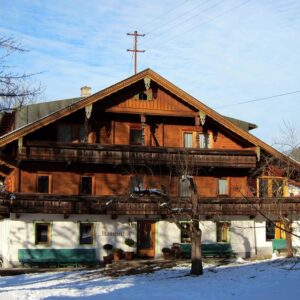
x=145, y=205
x=138, y=155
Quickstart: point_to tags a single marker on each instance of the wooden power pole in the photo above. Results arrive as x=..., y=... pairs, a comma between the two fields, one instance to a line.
x=135, y=50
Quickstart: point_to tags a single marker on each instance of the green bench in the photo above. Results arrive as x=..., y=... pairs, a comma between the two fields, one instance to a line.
x=279, y=245
x=57, y=257
x=208, y=250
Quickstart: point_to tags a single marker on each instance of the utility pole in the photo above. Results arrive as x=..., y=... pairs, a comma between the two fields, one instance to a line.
x=135, y=50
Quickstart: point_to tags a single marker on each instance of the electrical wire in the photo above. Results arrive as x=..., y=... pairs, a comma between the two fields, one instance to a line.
x=204, y=22
x=258, y=99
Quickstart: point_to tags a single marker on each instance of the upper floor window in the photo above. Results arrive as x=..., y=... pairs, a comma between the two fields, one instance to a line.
x=204, y=140
x=222, y=232
x=188, y=139
x=86, y=185
x=271, y=187
x=184, y=187
x=42, y=233
x=86, y=233
x=222, y=186
x=136, y=183
x=136, y=136
x=43, y=184
x=70, y=133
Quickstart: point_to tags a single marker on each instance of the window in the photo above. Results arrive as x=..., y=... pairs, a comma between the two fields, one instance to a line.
x=136, y=136
x=42, y=233
x=43, y=184
x=274, y=230
x=222, y=232
x=184, y=187
x=263, y=187
x=184, y=236
x=136, y=183
x=271, y=187
x=270, y=231
x=143, y=96
x=188, y=139
x=86, y=233
x=222, y=186
x=277, y=188
x=204, y=141
x=70, y=133
x=86, y=185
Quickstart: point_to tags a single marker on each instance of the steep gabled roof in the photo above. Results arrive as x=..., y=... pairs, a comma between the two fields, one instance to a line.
x=26, y=129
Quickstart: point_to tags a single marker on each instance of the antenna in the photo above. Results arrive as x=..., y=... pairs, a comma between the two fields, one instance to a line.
x=135, y=50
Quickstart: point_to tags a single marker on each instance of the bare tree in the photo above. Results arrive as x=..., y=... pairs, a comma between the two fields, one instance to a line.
x=16, y=88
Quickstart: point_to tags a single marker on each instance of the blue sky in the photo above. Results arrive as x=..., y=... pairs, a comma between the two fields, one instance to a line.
x=221, y=52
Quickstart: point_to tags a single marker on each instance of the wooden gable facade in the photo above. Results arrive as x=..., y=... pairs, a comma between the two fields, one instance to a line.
x=135, y=135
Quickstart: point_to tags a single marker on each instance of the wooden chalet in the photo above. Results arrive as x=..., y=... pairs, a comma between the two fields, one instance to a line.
x=83, y=172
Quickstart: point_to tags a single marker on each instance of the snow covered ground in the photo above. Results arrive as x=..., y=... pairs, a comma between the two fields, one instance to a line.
x=270, y=279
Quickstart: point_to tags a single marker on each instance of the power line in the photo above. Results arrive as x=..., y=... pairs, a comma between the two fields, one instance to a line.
x=258, y=99
x=187, y=19
x=163, y=15
x=205, y=22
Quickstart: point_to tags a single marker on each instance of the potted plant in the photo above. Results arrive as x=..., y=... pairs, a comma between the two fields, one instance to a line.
x=109, y=257
x=167, y=253
x=130, y=243
x=117, y=253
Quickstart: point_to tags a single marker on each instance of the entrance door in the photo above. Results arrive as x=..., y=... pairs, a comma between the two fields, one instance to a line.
x=146, y=238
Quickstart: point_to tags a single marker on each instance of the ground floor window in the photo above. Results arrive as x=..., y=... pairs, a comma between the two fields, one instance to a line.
x=274, y=230
x=222, y=232
x=42, y=233
x=184, y=236
x=86, y=233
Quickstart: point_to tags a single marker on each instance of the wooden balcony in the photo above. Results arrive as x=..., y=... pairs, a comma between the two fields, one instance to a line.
x=137, y=155
x=144, y=205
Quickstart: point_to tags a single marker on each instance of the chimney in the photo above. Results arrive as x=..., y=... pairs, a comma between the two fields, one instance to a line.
x=85, y=91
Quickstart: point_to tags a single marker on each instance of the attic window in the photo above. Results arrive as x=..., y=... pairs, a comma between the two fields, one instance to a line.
x=144, y=96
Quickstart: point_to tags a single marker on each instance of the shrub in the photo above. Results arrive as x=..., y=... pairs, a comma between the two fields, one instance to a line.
x=108, y=247
x=130, y=242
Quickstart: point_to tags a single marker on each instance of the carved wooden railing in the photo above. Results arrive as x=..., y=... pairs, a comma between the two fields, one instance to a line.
x=144, y=205
x=129, y=154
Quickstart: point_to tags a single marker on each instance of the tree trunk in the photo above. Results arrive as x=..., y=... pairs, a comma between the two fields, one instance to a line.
x=289, y=244
x=196, y=235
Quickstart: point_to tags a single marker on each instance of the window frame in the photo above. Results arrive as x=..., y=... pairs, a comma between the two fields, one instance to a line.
x=49, y=183
x=227, y=186
x=75, y=130
x=183, y=139
x=49, y=233
x=180, y=194
x=228, y=225
x=92, y=232
x=270, y=180
x=207, y=136
x=140, y=179
x=137, y=128
x=92, y=185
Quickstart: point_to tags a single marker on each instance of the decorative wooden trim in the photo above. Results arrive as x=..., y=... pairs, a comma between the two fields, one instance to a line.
x=14, y=135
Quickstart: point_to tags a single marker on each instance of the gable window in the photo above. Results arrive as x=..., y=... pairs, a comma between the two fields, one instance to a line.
x=144, y=96
x=188, y=140
x=136, y=183
x=223, y=232
x=222, y=186
x=42, y=233
x=184, y=187
x=86, y=185
x=43, y=184
x=204, y=141
x=136, y=136
x=86, y=233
